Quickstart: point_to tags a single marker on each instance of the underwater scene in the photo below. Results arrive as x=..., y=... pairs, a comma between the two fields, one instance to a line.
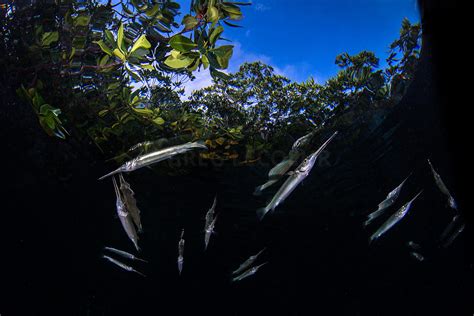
x=212, y=157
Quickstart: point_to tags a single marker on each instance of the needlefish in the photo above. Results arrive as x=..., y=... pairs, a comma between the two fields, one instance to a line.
x=442, y=187
x=122, y=265
x=181, y=252
x=130, y=202
x=385, y=204
x=392, y=220
x=156, y=156
x=124, y=254
x=125, y=217
x=295, y=178
x=248, y=273
x=247, y=263
x=277, y=172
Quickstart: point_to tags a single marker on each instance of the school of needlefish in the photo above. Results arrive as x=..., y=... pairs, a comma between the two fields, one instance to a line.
x=129, y=213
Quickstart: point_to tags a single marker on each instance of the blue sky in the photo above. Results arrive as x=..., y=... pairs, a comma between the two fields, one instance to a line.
x=301, y=39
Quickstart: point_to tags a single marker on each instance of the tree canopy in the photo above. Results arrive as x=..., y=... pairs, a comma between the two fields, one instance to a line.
x=112, y=73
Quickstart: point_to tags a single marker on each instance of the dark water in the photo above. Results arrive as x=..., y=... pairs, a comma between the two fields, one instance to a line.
x=319, y=260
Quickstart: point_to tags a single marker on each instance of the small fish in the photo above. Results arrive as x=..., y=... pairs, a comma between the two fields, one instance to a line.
x=124, y=254
x=276, y=173
x=125, y=218
x=247, y=263
x=210, y=214
x=248, y=273
x=155, y=156
x=450, y=227
x=392, y=196
x=130, y=202
x=181, y=253
x=442, y=187
x=456, y=233
x=417, y=256
x=392, y=220
x=209, y=231
x=303, y=141
x=413, y=245
x=293, y=180
x=122, y=265
x=282, y=168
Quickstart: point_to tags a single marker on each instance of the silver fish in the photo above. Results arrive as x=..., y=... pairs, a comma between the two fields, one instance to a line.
x=413, y=245
x=125, y=218
x=276, y=173
x=130, y=202
x=210, y=214
x=181, y=253
x=303, y=141
x=454, y=236
x=248, y=273
x=442, y=187
x=124, y=254
x=392, y=220
x=146, y=146
x=282, y=168
x=247, y=263
x=122, y=265
x=209, y=231
x=155, y=156
x=417, y=256
x=392, y=196
x=450, y=227
x=293, y=180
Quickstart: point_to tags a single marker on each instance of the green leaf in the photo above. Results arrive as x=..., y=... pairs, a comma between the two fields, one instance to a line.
x=189, y=22
x=159, y=121
x=119, y=54
x=120, y=42
x=223, y=55
x=205, y=61
x=109, y=37
x=212, y=14
x=232, y=24
x=214, y=36
x=104, y=60
x=219, y=74
x=153, y=10
x=104, y=47
x=144, y=111
x=182, y=43
x=231, y=8
x=103, y=112
x=180, y=62
x=82, y=20
x=49, y=37
x=147, y=66
x=141, y=42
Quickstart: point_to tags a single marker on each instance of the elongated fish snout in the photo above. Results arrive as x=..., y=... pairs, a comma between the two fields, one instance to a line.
x=110, y=174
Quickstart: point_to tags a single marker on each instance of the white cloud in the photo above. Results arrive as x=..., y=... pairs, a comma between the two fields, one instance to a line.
x=295, y=72
x=203, y=80
x=260, y=7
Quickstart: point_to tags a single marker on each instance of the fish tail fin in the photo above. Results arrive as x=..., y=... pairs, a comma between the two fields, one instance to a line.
x=258, y=190
x=261, y=213
x=135, y=243
x=199, y=144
